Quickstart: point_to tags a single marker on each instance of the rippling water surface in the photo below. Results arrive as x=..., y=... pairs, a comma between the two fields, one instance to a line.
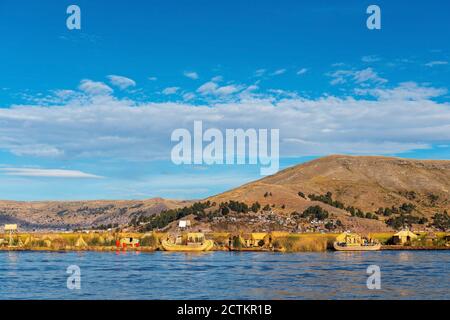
x=225, y=275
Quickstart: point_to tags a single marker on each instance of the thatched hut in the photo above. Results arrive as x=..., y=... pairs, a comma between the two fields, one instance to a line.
x=403, y=237
x=80, y=242
x=129, y=242
x=255, y=239
x=349, y=238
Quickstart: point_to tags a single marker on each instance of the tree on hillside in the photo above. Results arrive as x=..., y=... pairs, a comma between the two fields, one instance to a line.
x=315, y=212
x=255, y=207
x=441, y=221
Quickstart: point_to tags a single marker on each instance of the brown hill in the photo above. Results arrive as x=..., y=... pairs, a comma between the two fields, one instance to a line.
x=59, y=215
x=367, y=183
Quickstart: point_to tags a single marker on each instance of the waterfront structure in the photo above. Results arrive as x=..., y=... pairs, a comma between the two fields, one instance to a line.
x=255, y=239
x=348, y=241
x=12, y=230
x=128, y=242
x=192, y=241
x=404, y=236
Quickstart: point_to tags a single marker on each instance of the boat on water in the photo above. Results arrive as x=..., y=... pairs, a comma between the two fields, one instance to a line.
x=189, y=242
x=344, y=247
x=353, y=242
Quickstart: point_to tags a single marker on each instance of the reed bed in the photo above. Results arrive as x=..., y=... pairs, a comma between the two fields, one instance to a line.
x=300, y=243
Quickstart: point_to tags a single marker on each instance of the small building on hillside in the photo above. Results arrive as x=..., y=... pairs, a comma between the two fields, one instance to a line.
x=403, y=237
x=183, y=224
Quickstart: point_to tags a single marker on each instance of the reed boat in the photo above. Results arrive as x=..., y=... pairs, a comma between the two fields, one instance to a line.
x=190, y=242
x=344, y=247
x=205, y=246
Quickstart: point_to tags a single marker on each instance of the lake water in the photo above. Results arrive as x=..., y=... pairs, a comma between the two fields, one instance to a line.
x=225, y=275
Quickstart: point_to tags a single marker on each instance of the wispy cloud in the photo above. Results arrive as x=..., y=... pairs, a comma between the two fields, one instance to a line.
x=48, y=173
x=302, y=71
x=121, y=82
x=357, y=76
x=436, y=63
x=405, y=91
x=94, y=87
x=260, y=72
x=191, y=74
x=188, y=96
x=213, y=88
x=170, y=90
x=370, y=59
x=279, y=72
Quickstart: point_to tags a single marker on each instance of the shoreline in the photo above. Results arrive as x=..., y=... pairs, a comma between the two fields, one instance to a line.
x=152, y=249
x=275, y=241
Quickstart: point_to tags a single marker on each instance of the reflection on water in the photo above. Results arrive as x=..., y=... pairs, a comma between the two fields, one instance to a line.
x=225, y=275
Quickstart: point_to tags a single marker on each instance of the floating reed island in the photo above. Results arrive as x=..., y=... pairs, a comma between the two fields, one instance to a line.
x=223, y=241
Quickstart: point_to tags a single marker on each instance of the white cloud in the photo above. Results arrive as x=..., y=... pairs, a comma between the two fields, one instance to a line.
x=279, y=72
x=405, y=91
x=170, y=90
x=227, y=90
x=436, y=63
x=152, y=78
x=208, y=88
x=94, y=87
x=399, y=119
x=302, y=71
x=212, y=88
x=37, y=150
x=188, y=96
x=260, y=72
x=370, y=59
x=367, y=75
x=191, y=74
x=121, y=82
x=47, y=173
x=217, y=79
x=64, y=93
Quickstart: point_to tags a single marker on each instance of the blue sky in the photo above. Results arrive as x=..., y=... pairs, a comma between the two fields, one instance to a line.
x=87, y=114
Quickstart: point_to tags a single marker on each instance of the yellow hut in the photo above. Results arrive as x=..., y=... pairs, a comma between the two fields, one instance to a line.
x=195, y=237
x=80, y=242
x=404, y=236
x=255, y=239
x=349, y=238
x=128, y=242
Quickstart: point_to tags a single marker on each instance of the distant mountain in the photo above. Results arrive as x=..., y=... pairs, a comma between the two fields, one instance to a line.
x=364, y=183
x=56, y=215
